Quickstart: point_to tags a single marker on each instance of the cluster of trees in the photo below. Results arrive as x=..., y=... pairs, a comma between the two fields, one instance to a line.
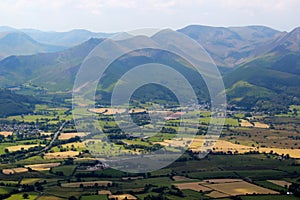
x=15, y=104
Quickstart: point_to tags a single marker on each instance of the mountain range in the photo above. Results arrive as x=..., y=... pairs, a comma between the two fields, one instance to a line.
x=260, y=65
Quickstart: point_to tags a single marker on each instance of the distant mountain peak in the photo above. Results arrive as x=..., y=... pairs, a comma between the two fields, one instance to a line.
x=289, y=43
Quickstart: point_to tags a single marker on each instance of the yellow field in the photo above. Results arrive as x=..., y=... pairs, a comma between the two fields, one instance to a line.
x=66, y=154
x=261, y=125
x=280, y=183
x=42, y=167
x=86, y=184
x=294, y=153
x=138, y=110
x=182, y=178
x=5, y=133
x=108, y=111
x=219, y=188
x=181, y=142
x=14, y=170
x=217, y=194
x=245, y=123
x=66, y=136
x=20, y=147
x=46, y=133
x=239, y=188
x=104, y=192
x=122, y=196
x=77, y=145
x=196, y=186
x=225, y=146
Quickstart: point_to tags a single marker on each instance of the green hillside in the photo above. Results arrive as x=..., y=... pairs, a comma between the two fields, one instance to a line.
x=15, y=104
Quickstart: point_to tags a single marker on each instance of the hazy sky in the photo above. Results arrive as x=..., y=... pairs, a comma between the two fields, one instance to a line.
x=124, y=15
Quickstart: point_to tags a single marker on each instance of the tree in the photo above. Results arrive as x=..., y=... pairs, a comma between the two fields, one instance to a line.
x=295, y=112
x=25, y=196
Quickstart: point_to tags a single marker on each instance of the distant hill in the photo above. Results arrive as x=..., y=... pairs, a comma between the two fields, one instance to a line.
x=52, y=70
x=235, y=45
x=67, y=39
x=18, y=43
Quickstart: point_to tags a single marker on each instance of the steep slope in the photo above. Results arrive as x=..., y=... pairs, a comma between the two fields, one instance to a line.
x=232, y=46
x=18, y=43
x=289, y=43
x=278, y=71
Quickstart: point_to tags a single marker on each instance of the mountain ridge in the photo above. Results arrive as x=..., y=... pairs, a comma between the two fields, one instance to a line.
x=257, y=59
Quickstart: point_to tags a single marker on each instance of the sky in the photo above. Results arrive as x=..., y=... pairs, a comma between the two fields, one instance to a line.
x=126, y=15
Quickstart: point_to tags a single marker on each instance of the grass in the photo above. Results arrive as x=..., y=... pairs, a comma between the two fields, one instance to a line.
x=270, y=197
x=45, y=197
x=5, y=190
x=66, y=169
x=262, y=174
x=140, y=183
x=93, y=197
x=32, y=196
x=64, y=192
x=3, y=146
x=269, y=185
x=105, y=149
x=30, y=180
x=213, y=174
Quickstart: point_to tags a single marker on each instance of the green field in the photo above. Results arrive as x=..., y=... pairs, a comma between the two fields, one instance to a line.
x=67, y=170
x=94, y=197
x=32, y=196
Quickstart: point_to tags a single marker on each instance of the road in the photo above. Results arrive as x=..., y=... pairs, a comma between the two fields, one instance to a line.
x=54, y=138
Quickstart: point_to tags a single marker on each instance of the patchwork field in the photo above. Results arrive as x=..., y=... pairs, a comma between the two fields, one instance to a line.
x=238, y=188
x=226, y=146
x=219, y=188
